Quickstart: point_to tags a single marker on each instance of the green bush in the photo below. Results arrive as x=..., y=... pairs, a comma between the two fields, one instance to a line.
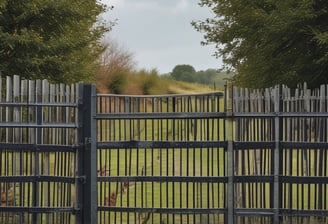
x=117, y=82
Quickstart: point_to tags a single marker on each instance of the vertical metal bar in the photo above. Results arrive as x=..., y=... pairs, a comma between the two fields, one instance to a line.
x=276, y=172
x=321, y=151
x=229, y=139
x=189, y=127
x=79, y=158
x=38, y=141
x=86, y=192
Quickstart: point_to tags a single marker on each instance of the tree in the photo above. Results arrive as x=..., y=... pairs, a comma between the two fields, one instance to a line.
x=183, y=73
x=115, y=57
x=267, y=42
x=54, y=39
x=206, y=77
x=116, y=63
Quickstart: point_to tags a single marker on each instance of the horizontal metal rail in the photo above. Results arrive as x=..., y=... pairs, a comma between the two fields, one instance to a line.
x=178, y=179
x=39, y=209
x=41, y=104
x=119, y=96
x=36, y=125
x=161, y=144
x=160, y=115
x=240, y=145
x=164, y=210
x=278, y=114
x=39, y=147
x=40, y=178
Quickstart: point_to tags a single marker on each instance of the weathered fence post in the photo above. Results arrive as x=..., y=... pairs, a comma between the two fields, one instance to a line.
x=37, y=141
x=278, y=108
x=230, y=153
x=86, y=183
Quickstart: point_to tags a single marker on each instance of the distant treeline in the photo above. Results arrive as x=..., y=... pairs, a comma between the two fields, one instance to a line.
x=187, y=73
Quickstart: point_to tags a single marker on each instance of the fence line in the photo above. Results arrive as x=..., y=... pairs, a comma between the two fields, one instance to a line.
x=69, y=155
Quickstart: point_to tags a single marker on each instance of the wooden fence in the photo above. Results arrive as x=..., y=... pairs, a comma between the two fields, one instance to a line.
x=246, y=156
x=280, y=154
x=38, y=130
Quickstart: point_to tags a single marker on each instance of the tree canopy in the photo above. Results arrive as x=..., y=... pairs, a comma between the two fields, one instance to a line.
x=54, y=39
x=187, y=73
x=267, y=42
x=183, y=72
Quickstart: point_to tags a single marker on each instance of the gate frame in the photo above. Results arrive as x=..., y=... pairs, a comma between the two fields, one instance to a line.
x=86, y=173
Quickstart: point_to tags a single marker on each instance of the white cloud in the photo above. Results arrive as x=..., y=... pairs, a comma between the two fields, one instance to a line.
x=181, y=6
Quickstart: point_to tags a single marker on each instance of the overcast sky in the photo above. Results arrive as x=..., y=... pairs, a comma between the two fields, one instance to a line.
x=159, y=34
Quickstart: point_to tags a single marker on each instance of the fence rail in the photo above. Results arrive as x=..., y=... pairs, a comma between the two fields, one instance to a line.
x=69, y=155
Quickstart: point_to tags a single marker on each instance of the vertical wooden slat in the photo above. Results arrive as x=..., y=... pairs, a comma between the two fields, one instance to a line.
x=45, y=165
x=24, y=99
x=2, y=112
x=306, y=128
x=230, y=151
x=16, y=119
x=67, y=114
x=276, y=184
x=31, y=111
x=38, y=141
x=321, y=128
x=9, y=115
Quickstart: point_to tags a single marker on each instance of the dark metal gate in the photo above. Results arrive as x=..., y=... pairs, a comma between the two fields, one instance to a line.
x=161, y=159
